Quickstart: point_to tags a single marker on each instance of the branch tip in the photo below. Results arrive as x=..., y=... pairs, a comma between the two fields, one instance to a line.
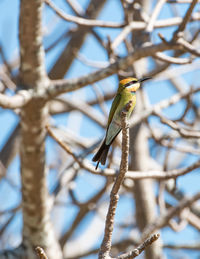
x=40, y=252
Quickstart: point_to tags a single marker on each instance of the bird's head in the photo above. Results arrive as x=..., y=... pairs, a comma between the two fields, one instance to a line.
x=131, y=84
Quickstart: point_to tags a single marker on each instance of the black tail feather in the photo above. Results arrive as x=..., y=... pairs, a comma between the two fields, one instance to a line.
x=97, y=165
x=101, y=155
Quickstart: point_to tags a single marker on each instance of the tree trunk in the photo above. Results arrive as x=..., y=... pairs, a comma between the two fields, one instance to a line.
x=37, y=228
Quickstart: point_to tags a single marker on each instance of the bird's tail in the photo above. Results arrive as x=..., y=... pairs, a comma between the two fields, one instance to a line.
x=101, y=155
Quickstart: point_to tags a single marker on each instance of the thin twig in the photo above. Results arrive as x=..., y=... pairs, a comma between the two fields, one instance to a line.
x=179, y=148
x=76, y=7
x=135, y=175
x=160, y=175
x=154, y=15
x=114, y=197
x=161, y=105
x=172, y=60
x=140, y=248
x=91, y=63
x=133, y=26
x=187, y=46
x=186, y=18
x=62, y=144
x=85, y=109
x=183, y=246
x=67, y=85
x=186, y=133
x=180, y=1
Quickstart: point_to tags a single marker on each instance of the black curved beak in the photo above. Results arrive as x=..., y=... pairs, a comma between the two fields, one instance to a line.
x=144, y=79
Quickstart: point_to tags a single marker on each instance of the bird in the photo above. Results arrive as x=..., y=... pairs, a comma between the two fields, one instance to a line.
x=126, y=94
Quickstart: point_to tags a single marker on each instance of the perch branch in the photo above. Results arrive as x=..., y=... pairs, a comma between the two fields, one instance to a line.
x=114, y=196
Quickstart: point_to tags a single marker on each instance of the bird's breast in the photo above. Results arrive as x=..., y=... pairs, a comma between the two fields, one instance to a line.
x=126, y=98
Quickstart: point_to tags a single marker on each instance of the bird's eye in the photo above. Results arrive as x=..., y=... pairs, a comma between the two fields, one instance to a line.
x=130, y=83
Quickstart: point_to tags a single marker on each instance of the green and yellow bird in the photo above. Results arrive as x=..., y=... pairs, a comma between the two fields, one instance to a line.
x=126, y=93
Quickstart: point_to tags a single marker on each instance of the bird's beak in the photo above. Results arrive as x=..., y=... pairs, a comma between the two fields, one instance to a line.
x=144, y=79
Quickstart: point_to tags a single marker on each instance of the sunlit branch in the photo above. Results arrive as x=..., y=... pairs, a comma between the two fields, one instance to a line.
x=15, y=101
x=135, y=175
x=76, y=7
x=161, y=105
x=186, y=18
x=172, y=60
x=179, y=148
x=62, y=86
x=85, y=109
x=7, y=80
x=187, y=46
x=133, y=26
x=83, y=21
x=154, y=15
x=186, y=133
x=91, y=63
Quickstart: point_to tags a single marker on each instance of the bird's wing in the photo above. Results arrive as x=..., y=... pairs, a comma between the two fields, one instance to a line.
x=115, y=103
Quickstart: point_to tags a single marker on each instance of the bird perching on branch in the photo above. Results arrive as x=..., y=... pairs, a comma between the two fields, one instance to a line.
x=125, y=98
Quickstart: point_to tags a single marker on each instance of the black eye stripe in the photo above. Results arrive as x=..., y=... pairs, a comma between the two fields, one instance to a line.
x=130, y=83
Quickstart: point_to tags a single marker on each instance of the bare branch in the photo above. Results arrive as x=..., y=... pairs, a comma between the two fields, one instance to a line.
x=76, y=7
x=15, y=101
x=133, y=26
x=162, y=175
x=180, y=1
x=182, y=131
x=183, y=246
x=181, y=148
x=186, y=18
x=172, y=60
x=187, y=46
x=114, y=197
x=135, y=175
x=86, y=109
x=140, y=248
x=62, y=144
x=161, y=105
x=154, y=15
x=83, y=21
x=62, y=86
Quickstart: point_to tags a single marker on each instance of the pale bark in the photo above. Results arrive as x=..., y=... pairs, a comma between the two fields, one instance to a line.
x=37, y=227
